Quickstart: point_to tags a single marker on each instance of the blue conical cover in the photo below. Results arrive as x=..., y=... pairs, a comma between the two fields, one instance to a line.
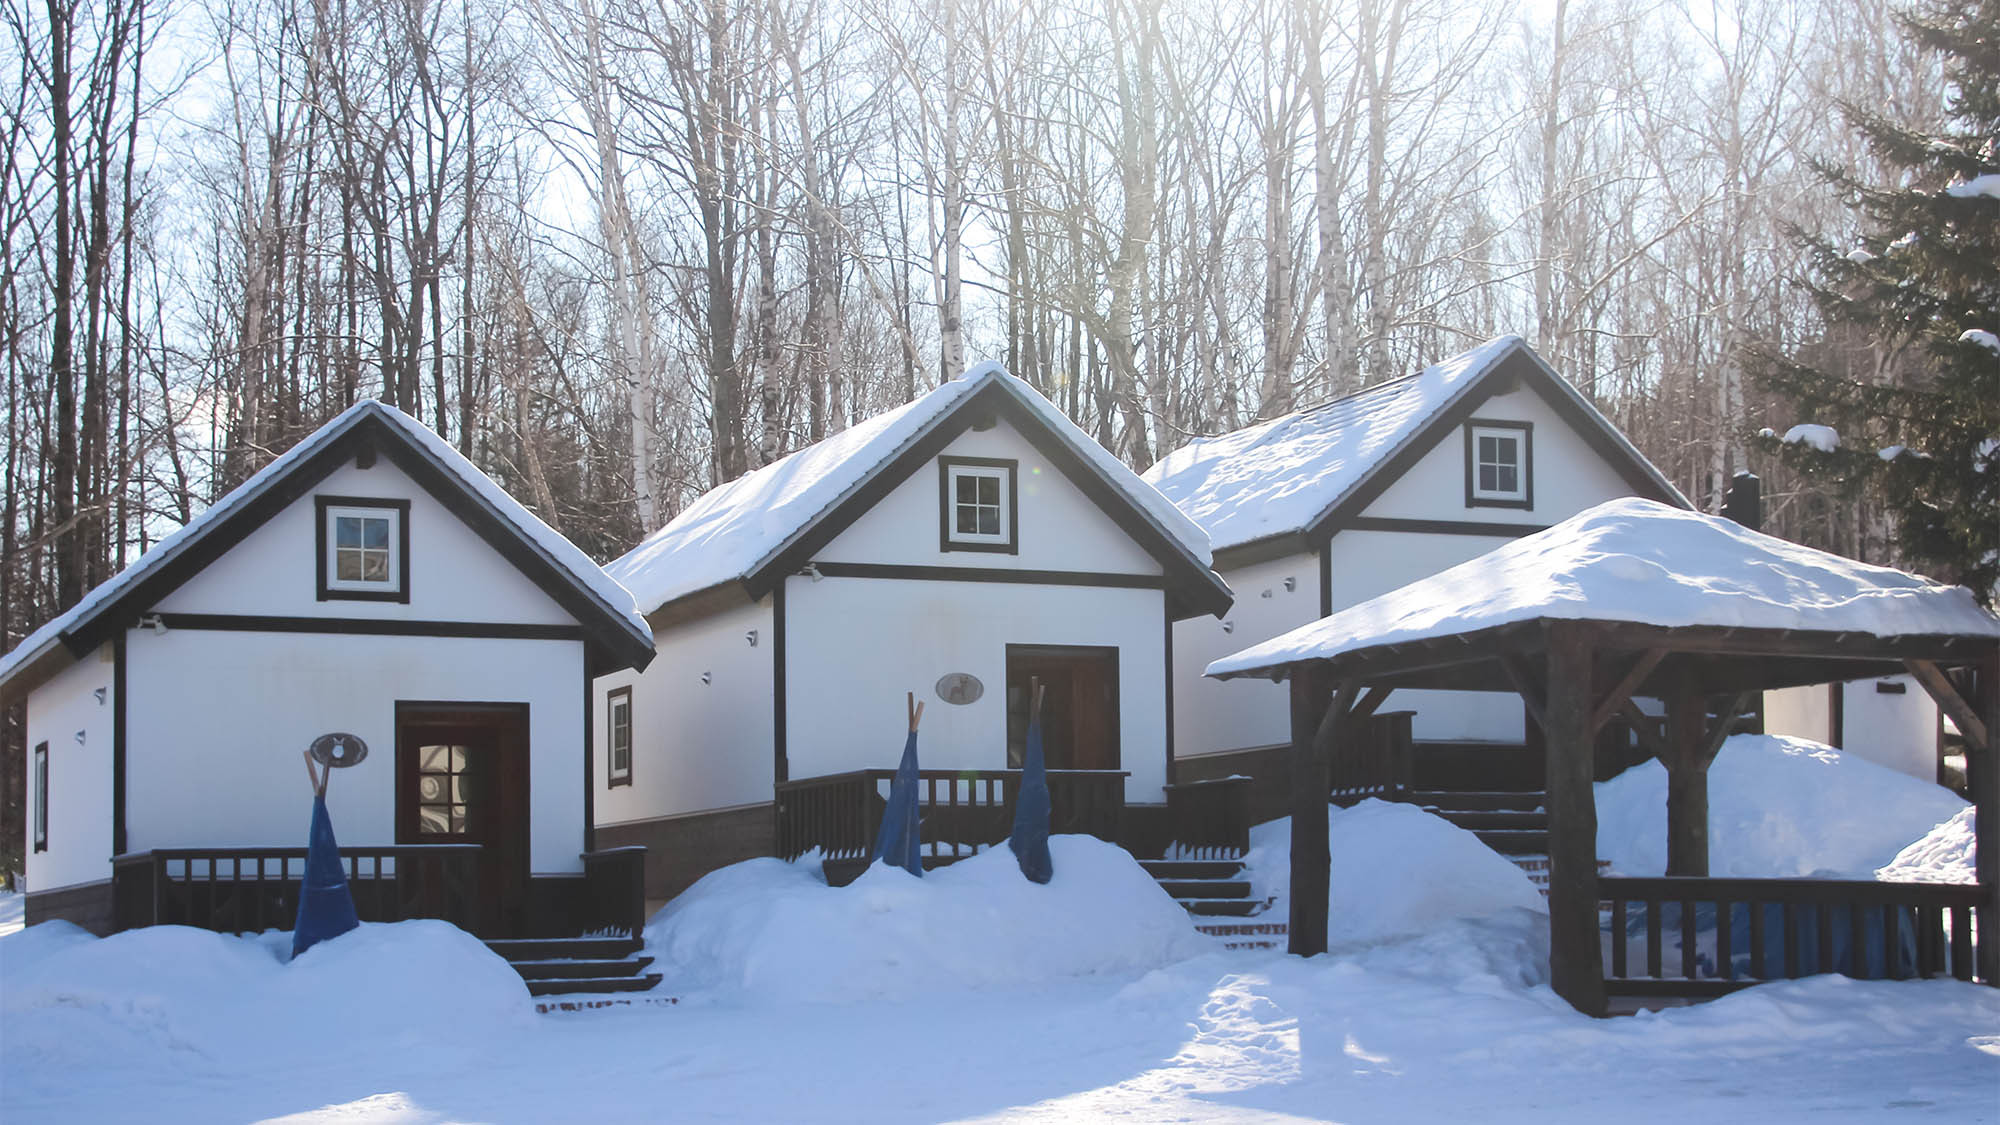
x=1030, y=840
x=326, y=909
x=899, y=843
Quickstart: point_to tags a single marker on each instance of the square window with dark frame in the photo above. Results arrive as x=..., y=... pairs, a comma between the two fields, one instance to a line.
x=41, y=796
x=1499, y=464
x=976, y=495
x=364, y=548
x=618, y=737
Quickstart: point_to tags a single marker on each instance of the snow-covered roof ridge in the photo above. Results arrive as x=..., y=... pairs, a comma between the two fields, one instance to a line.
x=1283, y=476
x=735, y=529
x=551, y=544
x=1643, y=562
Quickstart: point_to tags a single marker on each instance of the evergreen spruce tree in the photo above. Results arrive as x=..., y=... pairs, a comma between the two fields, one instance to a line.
x=1909, y=370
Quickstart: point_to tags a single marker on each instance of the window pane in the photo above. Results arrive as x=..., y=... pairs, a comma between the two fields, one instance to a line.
x=1489, y=478
x=374, y=566
x=433, y=757
x=989, y=521
x=347, y=565
x=968, y=489
x=347, y=531
x=968, y=519
x=1508, y=477
x=375, y=533
x=433, y=821
x=989, y=490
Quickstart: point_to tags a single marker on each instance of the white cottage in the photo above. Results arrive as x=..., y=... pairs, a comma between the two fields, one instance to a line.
x=957, y=548
x=1331, y=506
x=370, y=581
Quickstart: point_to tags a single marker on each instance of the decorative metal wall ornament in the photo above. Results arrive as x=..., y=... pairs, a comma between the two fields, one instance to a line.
x=960, y=688
x=338, y=750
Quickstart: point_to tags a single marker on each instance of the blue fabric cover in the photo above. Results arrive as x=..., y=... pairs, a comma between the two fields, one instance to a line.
x=899, y=842
x=326, y=909
x=1030, y=839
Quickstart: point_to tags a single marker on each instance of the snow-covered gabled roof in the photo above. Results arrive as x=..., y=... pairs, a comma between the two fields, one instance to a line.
x=754, y=528
x=1640, y=562
x=1291, y=475
x=603, y=606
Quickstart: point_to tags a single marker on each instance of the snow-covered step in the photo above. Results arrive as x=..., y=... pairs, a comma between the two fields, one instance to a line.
x=1247, y=935
x=1436, y=799
x=552, y=970
x=577, y=966
x=567, y=986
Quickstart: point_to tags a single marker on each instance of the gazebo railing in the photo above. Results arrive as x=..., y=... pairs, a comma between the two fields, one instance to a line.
x=1374, y=761
x=962, y=811
x=1694, y=937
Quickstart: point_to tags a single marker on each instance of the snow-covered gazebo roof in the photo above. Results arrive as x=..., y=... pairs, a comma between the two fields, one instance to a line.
x=1778, y=613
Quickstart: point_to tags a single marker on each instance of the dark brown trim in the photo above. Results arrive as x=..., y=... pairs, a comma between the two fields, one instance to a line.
x=38, y=781
x=1326, y=579
x=118, y=736
x=1836, y=715
x=589, y=760
x=991, y=574
x=1197, y=586
x=384, y=627
x=611, y=699
x=1443, y=527
x=617, y=642
x=1520, y=367
x=326, y=593
x=780, y=766
x=945, y=504
x=1262, y=550
x=1169, y=681
x=1527, y=466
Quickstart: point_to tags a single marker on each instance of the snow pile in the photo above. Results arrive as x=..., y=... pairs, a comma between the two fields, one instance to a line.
x=775, y=931
x=731, y=530
x=1945, y=855
x=13, y=909
x=1981, y=337
x=68, y=998
x=1987, y=185
x=1396, y=870
x=1644, y=562
x=1826, y=439
x=1860, y=256
x=1777, y=807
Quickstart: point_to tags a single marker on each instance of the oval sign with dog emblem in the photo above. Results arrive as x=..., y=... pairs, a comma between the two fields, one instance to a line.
x=338, y=750
x=960, y=688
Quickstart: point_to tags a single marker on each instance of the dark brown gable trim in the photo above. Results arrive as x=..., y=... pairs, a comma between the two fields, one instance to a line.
x=358, y=626
x=1262, y=550
x=945, y=542
x=1518, y=368
x=118, y=729
x=990, y=574
x=401, y=593
x=1196, y=588
x=1443, y=527
x=780, y=765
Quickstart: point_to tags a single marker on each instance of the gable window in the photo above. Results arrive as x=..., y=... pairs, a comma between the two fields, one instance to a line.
x=1499, y=464
x=41, y=796
x=618, y=737
x=364, y=549
x=977, y=502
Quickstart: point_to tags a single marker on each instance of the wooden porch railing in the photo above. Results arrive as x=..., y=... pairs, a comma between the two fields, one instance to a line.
x=1374, y=762
x=249, y=890
x=1733, y=933
x=962, y=811
x=1210, y=819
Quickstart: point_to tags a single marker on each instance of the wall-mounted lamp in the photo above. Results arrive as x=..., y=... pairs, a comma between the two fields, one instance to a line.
x=1291, y=584
x=705, y=677
x=154, y=622
x=1265, y=594
x=79, y=738
x=751, y=636
x=100, y=693
x=812, y=571
x=1229, y=626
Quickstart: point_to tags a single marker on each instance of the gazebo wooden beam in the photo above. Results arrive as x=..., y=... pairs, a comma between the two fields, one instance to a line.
x=1621, y=693
x=1961, y=709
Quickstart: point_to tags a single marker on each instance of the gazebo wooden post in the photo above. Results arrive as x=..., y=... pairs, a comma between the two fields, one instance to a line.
x=1576, y=958
x=1982, y=776
x=1311, y=863
x=1687, y=782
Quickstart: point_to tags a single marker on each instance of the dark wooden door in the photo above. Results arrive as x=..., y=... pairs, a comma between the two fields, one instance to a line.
x=462, y=778
x=1079, y=705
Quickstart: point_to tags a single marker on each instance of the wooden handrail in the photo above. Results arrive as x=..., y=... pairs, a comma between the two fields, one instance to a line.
x=251, y=889
x=965, y=810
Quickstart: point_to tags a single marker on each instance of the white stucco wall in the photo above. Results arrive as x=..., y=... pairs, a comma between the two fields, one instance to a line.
x=695, y=745
x=854, y=646
x=1568, y=475
x=79, y=774
x=1898, y=730
x=1060, y=528
x=454, y=575
x=1212, y=715
x=217, y=721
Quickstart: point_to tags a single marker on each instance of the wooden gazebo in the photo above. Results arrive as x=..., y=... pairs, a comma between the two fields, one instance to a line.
x=1637, y=600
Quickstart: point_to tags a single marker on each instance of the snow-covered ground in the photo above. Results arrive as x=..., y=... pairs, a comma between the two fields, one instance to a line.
x=973, y=995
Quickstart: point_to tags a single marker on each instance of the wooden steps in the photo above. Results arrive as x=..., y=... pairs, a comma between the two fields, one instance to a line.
x=577, y=966
x=1209, y=889
x=1513, y=823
